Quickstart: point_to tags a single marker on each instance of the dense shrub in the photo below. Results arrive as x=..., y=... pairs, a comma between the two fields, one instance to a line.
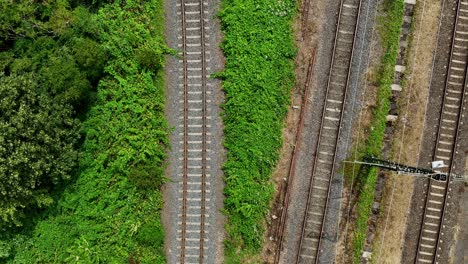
x=37, y=146
x=257, y=80
x=105, y=215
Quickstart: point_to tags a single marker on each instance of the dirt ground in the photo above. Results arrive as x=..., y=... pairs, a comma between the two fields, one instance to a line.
x=391, y=228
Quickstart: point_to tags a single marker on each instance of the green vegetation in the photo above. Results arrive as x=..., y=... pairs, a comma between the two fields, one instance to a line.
x=44, y=82
x=37, y=138
x=258, y=76
x=102, y=60
x=389, y=27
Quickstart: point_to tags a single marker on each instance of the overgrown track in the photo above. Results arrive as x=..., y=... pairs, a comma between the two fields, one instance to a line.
x=329, y=133
x=431, y=234
x=195, y=186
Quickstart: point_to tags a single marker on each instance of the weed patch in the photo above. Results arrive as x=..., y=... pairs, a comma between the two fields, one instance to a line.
x=389, y=26
x=257, y=79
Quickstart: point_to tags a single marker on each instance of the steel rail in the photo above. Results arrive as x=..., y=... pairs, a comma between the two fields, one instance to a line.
x=185, y=161
x=452, y=155
x=457, y=129
x=292, y=165
x=186, y=132
x=204, y=132
x=304, y=223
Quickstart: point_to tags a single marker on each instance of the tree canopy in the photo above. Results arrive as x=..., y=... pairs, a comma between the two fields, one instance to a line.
x=92, y=66
x=37, y=145
x=50, y=63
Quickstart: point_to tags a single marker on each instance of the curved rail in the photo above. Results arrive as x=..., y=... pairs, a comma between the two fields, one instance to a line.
x=447, y=136
x=323, y=167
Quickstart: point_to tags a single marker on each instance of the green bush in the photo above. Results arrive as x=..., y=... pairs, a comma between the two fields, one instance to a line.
x=104, y=216
x=151, y=234
x=147, y=177
x=37, y=146
x=258, y=76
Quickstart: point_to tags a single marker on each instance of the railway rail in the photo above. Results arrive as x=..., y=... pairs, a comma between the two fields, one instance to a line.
x=431, y=232
x=194, y=186
x=325, y=156
x=292, y=165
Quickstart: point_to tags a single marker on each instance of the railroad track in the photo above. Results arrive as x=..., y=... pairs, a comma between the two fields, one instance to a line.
x=194, y=185
x=431, y=233
x=329, y=133
x=292, y=165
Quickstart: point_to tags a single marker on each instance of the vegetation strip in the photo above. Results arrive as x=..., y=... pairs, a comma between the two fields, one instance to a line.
x=110, y=213
x=258, y=76
x=389, y=26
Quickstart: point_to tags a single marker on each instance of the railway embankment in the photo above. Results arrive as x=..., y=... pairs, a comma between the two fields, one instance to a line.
x=435, y=205
x=311, y=230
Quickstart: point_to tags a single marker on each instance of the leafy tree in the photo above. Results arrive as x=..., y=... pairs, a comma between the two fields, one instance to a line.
x=27, y=19
x=104, y=58
x=37, y=138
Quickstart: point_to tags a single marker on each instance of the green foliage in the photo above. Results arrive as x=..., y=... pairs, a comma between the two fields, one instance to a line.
x=61, y=48
x=30, y=19
x=147, y=176
x=39, y=42
x=151, y=234
x=37, y=138
x=45, y=54
x=105, y=215
x=390, y=26
x=257, y=79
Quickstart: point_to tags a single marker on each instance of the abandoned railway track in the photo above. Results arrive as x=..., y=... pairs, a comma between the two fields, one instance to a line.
x=437, y=194
x=194, y=190
x=324, y=163
x=292, y=165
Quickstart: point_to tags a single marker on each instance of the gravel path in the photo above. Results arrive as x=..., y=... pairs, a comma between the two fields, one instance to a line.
x=309, y=134
x=214, y=222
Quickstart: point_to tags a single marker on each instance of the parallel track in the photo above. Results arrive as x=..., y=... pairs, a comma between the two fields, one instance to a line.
x=292, y=165
x=194, y=186
x=329, y=133
x=430, y=238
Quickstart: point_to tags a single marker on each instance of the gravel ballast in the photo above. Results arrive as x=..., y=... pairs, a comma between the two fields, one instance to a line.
x=214, y=223
x=312, y=122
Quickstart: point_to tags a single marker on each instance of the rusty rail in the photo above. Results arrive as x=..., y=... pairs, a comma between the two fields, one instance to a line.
x=292, y=164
